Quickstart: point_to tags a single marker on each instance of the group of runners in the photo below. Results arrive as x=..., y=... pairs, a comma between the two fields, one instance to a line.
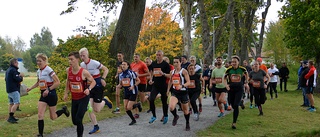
x=146, y=81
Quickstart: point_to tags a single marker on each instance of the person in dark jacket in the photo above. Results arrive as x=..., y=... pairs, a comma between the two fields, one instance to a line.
x=13, y=79
x=284, y=75
x=303, y=83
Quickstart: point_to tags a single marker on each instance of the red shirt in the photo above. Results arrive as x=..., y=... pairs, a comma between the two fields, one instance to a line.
x=140, y=68
x=76, y=84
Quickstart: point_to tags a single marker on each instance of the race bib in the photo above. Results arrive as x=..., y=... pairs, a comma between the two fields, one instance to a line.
x=235, y=78
x=126, y=82
x=156, y=72
x=175, y=82
x=256, y=84
x=192, y=84
x=43, y=84
x=206, y=78
x=218, y=80
x=76, y=87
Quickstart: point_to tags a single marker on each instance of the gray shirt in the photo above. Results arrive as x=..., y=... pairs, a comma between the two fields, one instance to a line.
x=258, y=78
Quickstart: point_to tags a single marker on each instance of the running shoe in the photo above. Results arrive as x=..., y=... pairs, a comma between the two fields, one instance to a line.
x=89, y=108
x=242, y=104
x=39, y=135
x=66, y=111
x=234, y=126
x=165, y=120
x=175, y=120
x=312, y=110
x=94, y=130
x=276, y=95
x=11, y=120
x=136, y=116
x=256, y=106
x=215, y=103
x=261, y=114
x=309, y=108
x=116, y=111
x=251, y=106
x=225, y=106
x=188, y=127
x=221, y=114
x=152, y=119
x=132, y=123
x=161, y=120
x=108, y=102
x=196, y=117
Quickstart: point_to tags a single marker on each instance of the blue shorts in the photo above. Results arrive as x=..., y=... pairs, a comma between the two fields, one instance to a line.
x=14, y=97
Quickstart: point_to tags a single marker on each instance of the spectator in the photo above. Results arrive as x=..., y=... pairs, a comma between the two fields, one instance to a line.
x=284, y=75
x=303, y=84
x=299, y=74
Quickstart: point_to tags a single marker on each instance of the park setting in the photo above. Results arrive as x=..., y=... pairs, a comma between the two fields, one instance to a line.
x=276, y=31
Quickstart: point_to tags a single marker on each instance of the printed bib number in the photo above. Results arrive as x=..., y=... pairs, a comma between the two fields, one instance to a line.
x=43, y=84
x=126, y=82
x=218, y=80
x=206, y=78
x=192, y=84
x=235, y=78
x=175, y=82
x=256, y=84
x=156, y=72
x=76, y=87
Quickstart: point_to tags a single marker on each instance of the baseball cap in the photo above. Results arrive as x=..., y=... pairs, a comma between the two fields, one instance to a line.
x=259, y=59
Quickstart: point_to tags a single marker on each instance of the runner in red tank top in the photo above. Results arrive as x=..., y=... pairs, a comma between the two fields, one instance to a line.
x=76, y=84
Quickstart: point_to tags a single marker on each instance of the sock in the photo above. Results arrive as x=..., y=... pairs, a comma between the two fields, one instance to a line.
x=130, y=115
x=11, y=114
x=96, y=126
x=200, y=105
x=187, y=117
x=59, y=112
x=312, y=107
x=40, y=126
x=174, y=112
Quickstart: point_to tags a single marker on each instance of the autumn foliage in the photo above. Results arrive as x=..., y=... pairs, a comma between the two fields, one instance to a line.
x=159, y=32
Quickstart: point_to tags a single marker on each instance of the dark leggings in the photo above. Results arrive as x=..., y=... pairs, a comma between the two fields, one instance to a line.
x=284, y=81
x=78, y=109
x=259, y=96
x=154, y=92
x=234, y=99
x=213, y=92
x=251, y=93
x=273, y=87
x=206, y=85
x=193, y=96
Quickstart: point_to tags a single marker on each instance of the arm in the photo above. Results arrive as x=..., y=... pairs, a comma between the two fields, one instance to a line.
x=203, y=84
x=309, y=74
x=187, y=78
x=266, y=85
x=105, y=72
x=56, y=82
x=33, y=86
x=169, y=85
x=88, y=77
x=17, y=77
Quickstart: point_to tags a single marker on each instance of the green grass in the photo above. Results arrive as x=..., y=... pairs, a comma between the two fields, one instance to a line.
x=282, y=117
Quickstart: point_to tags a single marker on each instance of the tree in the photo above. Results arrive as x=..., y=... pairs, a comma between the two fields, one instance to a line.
x=5, y=61
x=127, y=30
x=186, y=5
x=302, y=27
x=158, y=32
x=27, y=61
x=274, y=44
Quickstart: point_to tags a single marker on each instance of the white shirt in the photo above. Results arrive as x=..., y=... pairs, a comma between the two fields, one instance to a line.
x=45, y=77
x=274, y=78
x=93, y=67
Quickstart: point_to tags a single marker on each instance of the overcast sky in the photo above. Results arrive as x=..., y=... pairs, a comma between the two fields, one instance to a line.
x=23, y=18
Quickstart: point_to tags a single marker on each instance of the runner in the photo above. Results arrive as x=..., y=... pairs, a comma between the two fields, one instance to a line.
x=77, y=79
x=198, y=70
x=217, y=78
x=257, y=77
x=194, y=89
x=148, y=62
x=97, y=101
x=120, y=57
x=160, y=72
x=142, y=71
x=48, y=81
x=234, y=75
x=129, y=80
x=273, y=72
x=178, y=82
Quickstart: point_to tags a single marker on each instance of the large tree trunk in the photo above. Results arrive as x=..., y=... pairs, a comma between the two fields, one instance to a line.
x=264, y=15
x=205, y=28
x=231, y=38
x=128, y=27
x=208, y=54
x=237, y=25
x=187, y=6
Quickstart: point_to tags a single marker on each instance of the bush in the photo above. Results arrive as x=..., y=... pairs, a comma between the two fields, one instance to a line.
x=98, y=50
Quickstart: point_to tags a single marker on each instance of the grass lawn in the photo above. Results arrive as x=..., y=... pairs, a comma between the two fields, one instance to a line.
x=282, y=117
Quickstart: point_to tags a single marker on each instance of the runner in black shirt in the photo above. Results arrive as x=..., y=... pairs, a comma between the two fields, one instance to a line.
x=160, y=72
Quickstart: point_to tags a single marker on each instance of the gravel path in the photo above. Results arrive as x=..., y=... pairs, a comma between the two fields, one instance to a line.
x=118, y=127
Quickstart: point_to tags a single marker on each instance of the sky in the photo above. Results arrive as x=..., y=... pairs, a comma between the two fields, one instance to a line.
x=24, y=18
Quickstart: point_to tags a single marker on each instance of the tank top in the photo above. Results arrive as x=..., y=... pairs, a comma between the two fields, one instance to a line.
x=76, y=84
x=178, y=79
